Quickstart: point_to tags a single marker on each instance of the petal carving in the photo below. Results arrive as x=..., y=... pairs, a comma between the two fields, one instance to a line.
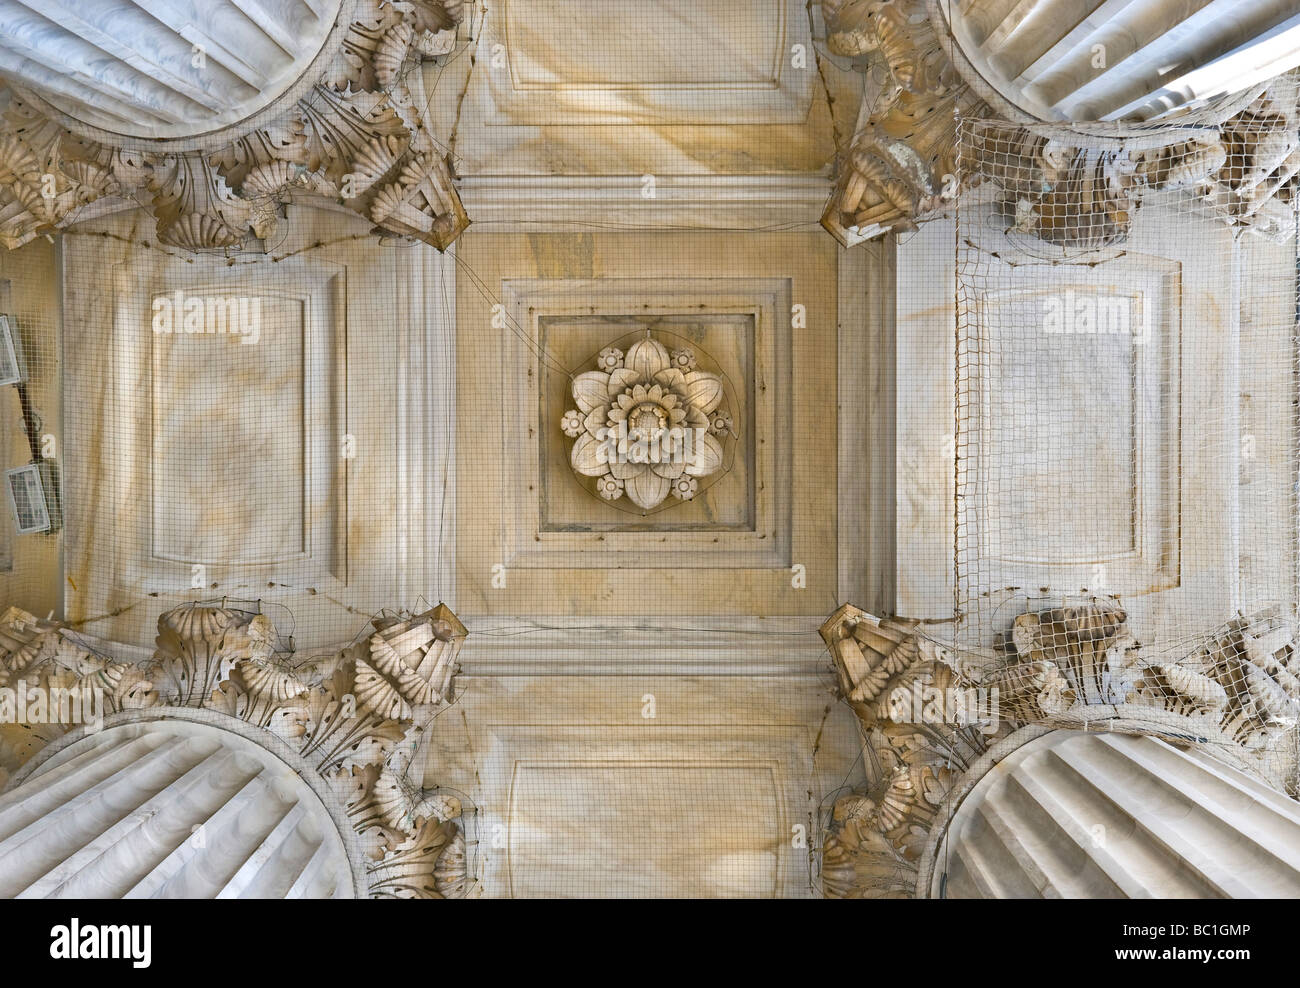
x=708, y=456
x=584, y=455
x=647, y=358
x=591, y=390
x=648, y=489
x=704, y=390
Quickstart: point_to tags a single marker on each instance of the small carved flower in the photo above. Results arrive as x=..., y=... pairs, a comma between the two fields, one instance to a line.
x=610, y=359
x=685, y=488
x=610, y=488
x=684, y=359
x=571, y=424
x=720, y=423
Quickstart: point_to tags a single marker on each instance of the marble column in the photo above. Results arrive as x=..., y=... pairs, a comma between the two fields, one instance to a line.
x=171, y=809
x=1079, y=815
x=161, y=69
x=1131, y=60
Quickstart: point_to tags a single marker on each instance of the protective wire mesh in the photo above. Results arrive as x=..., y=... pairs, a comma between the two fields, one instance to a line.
x=332, y=428
x=1126, y=431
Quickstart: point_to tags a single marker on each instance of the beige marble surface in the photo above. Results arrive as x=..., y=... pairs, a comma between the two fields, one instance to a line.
x=570, y=790
x=30, y=565
x=204, y=451
x=726, y=499
x=1132, y=459
x=696, y=584
x=577, y=124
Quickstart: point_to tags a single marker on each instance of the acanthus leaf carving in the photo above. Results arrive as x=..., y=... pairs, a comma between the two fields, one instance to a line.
x=410, y=870
x=355, y=133
x=195, y=208
x=929, y=710
x=198, y=646
x=224, y=659
x=900, y=167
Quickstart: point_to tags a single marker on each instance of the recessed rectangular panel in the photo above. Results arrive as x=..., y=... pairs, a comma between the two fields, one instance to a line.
x=229, y=451
x=614, y=43
x=1061, y=446
x=723, y=344
x=620, y=62
x=701, y=830
x=1069, y=452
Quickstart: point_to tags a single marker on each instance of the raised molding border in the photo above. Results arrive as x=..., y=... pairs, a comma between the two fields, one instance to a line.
x=776, y=645
x=785, y=98
x=765, y=300
x=321, y=287
x=1158, y=495
x=515, y=646
x=769, y=745
x=556, y=204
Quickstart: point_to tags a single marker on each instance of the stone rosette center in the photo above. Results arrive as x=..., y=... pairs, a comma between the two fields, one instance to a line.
x=649, y=423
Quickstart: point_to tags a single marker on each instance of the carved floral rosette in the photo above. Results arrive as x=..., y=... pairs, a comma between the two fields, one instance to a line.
x=357, y=137
x=931, y=711
x=355, y=715
x=649, y=424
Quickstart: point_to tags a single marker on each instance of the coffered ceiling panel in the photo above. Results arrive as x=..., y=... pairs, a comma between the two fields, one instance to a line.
x=753, y=531
x=679, y=61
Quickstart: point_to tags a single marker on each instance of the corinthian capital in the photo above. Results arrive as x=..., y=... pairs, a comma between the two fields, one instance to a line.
x=350, y=127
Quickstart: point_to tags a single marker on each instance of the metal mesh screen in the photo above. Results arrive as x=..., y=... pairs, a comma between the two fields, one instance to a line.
x=1126, y=436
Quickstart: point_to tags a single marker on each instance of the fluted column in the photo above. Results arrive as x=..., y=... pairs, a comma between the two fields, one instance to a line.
x=1079, y=815
x=1125, y=60
x=161, y=68
x=218, y=113
x=169, y=809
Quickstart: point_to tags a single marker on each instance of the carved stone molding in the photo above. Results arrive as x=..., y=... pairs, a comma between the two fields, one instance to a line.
x=174, y=802
x=1067, y=184
x=1058, y=61
x=875, y=840
x=1067, y=196
x=355, y=716
x=356, y=136
x=931, y=712
x=649, y=423
x=165, y=69
x=1084, y=195
x=900, y=168
x=1254, y=185
x=1086, y=814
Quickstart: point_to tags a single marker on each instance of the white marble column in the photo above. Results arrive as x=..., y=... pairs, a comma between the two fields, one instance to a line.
x=170, y=809
x=1077, y=815
x=1126, y=60
x=162, y=68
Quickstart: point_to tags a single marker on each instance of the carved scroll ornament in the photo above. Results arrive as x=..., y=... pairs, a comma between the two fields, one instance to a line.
x=355, y=715
x=930, y=712
x=357, y=137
